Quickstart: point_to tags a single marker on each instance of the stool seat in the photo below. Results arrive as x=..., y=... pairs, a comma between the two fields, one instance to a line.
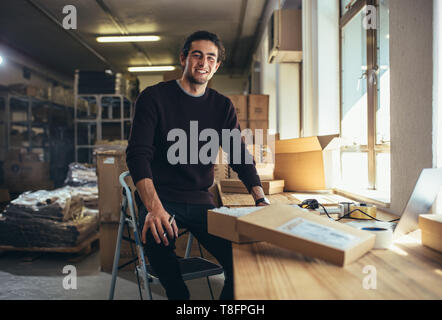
x=193, y=268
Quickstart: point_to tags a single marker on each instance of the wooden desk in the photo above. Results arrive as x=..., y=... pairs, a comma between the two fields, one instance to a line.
x=406, y=271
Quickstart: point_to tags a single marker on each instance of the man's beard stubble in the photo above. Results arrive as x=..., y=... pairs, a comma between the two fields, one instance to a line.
x=192, y=79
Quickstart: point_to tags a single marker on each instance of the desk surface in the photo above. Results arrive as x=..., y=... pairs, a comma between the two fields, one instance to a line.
x=406, y=271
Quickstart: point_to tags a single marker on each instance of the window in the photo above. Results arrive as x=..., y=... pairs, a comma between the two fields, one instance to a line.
x=365, y=95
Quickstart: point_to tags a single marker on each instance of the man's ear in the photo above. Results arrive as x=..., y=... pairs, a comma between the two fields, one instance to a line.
x=183, y=61
x=217, y=66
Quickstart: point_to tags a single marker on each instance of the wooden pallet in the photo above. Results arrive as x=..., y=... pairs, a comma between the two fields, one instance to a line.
x=84, y=247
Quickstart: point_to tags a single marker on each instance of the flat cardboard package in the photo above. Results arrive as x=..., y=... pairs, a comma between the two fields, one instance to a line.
x=236, y=186
x=431, y=226
x=300, y=163
x=222, y=222
x=110, y=164
x=295, y=229
x=239, y=101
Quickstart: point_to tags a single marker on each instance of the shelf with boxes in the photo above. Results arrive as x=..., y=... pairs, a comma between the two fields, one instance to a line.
x=30, y=129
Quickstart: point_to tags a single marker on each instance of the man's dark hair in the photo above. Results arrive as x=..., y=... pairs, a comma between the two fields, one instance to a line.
x=204, y=35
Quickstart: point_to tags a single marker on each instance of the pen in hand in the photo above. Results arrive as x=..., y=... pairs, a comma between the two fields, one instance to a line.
x=170, y=222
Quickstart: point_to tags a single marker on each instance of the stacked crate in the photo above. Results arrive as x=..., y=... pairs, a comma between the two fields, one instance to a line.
x=252, y=110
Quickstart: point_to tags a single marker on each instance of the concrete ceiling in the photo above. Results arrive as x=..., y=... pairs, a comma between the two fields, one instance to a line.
x=34, y=27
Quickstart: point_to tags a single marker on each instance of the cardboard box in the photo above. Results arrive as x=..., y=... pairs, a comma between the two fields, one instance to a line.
x=266, y=171
x=243, y=124
x=236, y=186
x=221, y=168
x=108, y=242
x=295, y=229
x=222, y=222
x=431, y=226
x=258, y=107
x=110, y=164
x=26, y=175
x=26, y=170
x=258, y=124
x=239, y=101
x=300, y=163
x=4, y=195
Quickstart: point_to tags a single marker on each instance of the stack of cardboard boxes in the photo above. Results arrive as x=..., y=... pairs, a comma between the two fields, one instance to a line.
x=111, y=162
x=252, y=110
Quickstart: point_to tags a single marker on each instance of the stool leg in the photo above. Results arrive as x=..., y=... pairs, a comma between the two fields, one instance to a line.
x=189, y=245
x=117, y=249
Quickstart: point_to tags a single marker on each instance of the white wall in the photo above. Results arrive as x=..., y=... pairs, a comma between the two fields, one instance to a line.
x=437, y=94
x=268, y=82
x=411, y=109
x=320, y=67
x=289, y=100
x=282, y=83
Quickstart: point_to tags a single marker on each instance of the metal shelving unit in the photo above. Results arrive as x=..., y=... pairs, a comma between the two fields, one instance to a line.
x=30, y=123
x=101, y=111
x=100, y=117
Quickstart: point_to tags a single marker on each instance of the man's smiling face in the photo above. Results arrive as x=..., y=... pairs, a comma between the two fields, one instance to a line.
x=201, y=63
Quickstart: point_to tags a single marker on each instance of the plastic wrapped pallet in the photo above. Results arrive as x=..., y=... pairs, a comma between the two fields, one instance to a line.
x=47, y=219
x=81, y=174
x=58, y=205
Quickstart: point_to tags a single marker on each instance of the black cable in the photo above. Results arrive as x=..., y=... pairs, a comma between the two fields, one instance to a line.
x=349, y=217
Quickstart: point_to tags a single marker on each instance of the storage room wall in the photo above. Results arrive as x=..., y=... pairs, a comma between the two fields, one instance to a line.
x=11, y=70
x=224, y=84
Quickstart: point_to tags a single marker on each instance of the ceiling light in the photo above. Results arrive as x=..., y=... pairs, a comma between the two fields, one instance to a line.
x=1, y=59
x=128, y=38
x=151, y=68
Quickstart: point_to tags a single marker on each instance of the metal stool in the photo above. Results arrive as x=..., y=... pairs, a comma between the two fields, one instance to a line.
x=191, y=267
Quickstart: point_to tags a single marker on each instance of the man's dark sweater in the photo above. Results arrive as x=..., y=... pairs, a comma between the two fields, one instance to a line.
x=166, y=106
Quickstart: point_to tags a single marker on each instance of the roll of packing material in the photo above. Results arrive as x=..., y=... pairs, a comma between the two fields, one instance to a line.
x=367, y=208
x=384, y=237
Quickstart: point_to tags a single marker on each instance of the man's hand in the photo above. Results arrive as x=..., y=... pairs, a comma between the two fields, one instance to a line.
x=157, y=221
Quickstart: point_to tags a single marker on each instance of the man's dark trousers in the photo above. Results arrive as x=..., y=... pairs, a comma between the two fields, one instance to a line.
x=163, y=259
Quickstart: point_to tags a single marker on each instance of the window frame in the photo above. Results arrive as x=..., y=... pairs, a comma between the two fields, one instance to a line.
x=372, y=148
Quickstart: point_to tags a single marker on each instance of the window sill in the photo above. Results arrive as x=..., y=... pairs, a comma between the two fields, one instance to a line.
x=380, y=199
